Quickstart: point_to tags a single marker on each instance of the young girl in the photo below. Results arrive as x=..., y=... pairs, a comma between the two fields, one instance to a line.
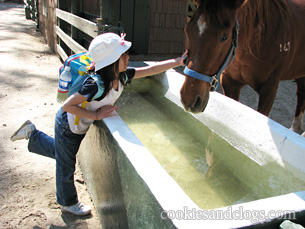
x=109, y=54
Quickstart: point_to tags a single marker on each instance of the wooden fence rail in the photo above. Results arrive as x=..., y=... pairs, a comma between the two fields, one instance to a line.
x=86, y=26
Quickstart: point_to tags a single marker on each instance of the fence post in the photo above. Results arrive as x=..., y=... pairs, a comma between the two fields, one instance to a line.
x=27, y=11
x=32, y=5
x=99, y=25
x=36, y=12
x=105, y=11
x=99, y=21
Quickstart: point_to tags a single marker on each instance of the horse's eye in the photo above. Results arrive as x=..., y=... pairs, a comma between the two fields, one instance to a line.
x=224, y=37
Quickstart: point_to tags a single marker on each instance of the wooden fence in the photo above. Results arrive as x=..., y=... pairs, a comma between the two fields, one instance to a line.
x=85, y=26
x=32, y=11
x=162, y=31
x=77, y=25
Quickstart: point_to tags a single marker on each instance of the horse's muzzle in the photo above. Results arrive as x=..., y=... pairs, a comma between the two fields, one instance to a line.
x=196, y=106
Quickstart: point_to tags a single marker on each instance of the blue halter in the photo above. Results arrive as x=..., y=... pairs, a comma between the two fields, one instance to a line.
x=214, y=80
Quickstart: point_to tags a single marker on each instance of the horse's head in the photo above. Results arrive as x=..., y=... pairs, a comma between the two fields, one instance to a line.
x=209, y=34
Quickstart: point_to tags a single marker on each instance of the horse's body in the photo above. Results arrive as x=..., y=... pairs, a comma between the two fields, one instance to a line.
x=271, y=47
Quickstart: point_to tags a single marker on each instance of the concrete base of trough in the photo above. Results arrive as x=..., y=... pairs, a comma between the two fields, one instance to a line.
x=98, y=161
x=121, y=198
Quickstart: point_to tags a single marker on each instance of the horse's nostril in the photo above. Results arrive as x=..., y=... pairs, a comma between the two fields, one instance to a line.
x=198, y=102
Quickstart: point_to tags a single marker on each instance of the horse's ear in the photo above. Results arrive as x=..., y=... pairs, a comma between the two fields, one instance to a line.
x=236, y=4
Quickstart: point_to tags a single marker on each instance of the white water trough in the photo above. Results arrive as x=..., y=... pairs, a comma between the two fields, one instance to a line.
x=229, y=167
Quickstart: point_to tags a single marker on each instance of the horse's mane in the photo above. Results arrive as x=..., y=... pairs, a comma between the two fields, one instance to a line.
x=259, y=20
x=258, y=16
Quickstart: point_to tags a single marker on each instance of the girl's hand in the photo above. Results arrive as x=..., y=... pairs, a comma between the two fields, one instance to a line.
x=182, y=60
x=160, y=66
x=105, y=111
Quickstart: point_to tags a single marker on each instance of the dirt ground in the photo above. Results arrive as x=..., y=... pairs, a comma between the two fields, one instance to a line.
x=28, y=82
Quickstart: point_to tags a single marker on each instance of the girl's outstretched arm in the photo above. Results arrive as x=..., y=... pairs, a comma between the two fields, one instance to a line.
x=159, y=67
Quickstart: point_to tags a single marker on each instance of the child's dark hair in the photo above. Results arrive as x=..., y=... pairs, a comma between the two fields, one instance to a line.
x=109, y=74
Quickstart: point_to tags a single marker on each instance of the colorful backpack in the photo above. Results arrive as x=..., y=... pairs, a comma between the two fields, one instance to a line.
x=79, y=73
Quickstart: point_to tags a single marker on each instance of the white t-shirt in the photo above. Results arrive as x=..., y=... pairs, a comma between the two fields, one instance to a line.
x=84, y=123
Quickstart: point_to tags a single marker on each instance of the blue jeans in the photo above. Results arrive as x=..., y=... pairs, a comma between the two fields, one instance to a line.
x=63, y=148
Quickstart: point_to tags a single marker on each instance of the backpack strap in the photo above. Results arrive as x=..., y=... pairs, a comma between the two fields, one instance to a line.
x=124, y=78
x=101, y=88
x=76, y=121
x=100, y=85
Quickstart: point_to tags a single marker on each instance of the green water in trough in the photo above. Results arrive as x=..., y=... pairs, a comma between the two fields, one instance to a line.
x=209, y=170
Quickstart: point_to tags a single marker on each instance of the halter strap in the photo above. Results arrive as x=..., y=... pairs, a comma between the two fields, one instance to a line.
x=214, y=80
x=199, y=76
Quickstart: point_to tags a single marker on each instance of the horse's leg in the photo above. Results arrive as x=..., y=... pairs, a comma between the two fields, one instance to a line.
x=297, y=123
x=267, y=94
x=231, y=87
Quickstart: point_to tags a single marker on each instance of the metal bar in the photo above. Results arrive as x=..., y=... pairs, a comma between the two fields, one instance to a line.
x=99, y=25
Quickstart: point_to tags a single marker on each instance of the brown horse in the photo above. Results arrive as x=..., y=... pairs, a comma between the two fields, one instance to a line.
x=271, y=47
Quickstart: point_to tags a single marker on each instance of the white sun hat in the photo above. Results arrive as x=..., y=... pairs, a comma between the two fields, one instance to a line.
x=107, y=48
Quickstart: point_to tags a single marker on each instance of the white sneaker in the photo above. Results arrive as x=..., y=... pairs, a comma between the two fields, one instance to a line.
x=24, y=131
x=76, y=209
